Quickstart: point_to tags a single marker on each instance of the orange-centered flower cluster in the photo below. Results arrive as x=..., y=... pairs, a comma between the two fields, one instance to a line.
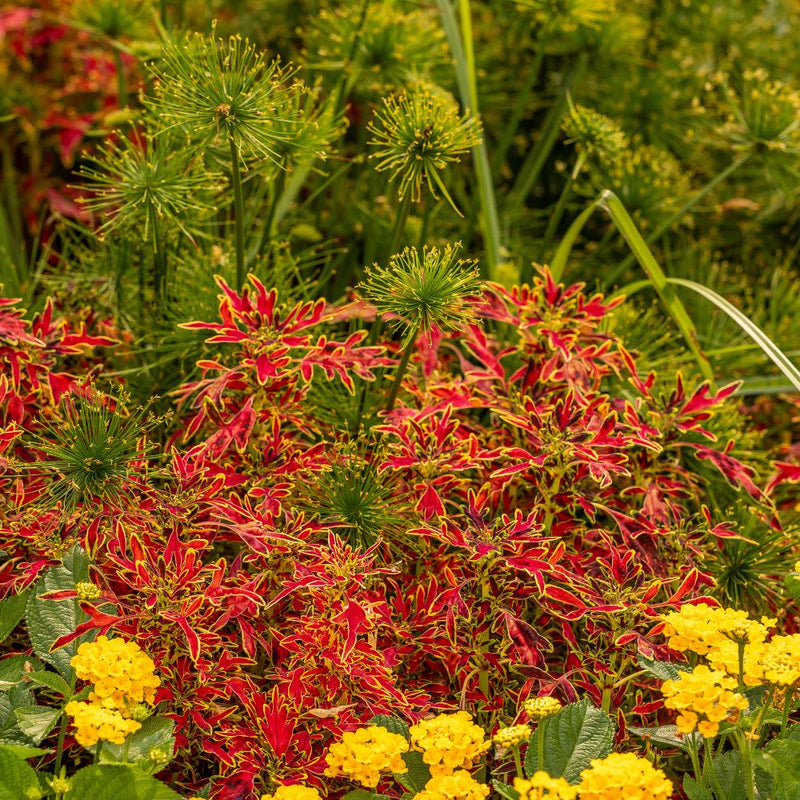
x=123, y=677
x=365, y=754
x=704, y=698
x=623, y=775
x=449, y=742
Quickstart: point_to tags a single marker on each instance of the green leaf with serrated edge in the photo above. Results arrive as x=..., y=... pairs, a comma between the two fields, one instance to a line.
x=14, y=670
x=572, y=738
x=9, y=730
x=661, y=736
x=694, y=791
x=156, y=733
x=392, y=724
x=25, y=751
x=663, y=670
x=730, y=771
x=505, y=790
x=363, y=794
x=418, y=773
x=18, y=778
x=117, y=782
x=781, y=760
x=48, y=620
x=12, y=610
x=50, y=680
x=36, y=721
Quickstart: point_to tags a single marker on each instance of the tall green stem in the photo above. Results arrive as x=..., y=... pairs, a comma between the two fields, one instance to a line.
x=238, y=213
x=522, y=102
x=401, y=371
x=60, y=745
x=122, y=86
x=561, y=205
x=463, y=51
x=400, y=223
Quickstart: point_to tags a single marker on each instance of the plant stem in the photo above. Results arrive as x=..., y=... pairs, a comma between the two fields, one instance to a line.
x=561, y=204
x=463, y=52
x=521, y=104
x=541, y=730
x=238, y=214
x=60, y=745
x=518, y=762
x=709, y=762
x=122, y=86
x=400, y=223
x=747, y=763
x=401, y=371
x=698, y=775
x=344, y=80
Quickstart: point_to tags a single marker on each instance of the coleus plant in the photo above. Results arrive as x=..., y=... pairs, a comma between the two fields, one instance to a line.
x=533, y=505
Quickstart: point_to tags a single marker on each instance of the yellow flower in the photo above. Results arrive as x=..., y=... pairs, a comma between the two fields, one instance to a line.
x=701, y=628
x=86, y=590
x=780, y=660
x=366, y=753
x=704, y=698
x=121, y=672
x=542, y=787
x=725, y=658
x=512, y=736
x=622, y=775
x=94, y=723
x=458, y=785
x=293, y=791
x=541, y=707
x=449, y=742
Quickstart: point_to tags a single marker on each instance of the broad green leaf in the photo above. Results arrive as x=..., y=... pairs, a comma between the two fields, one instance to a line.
x=48, y=620
x=117, y=782
x=15, y=668
x=17, y=778
x=661, y=736
x=731, y=774
x=505, y=790
x=781, y=759
x=12, y=609
x=663, y=670
x=694, y=791
x=363, y=794
x=572, y=738
x=155, y=734
x=418, y=773
x=51, y=680
x=24, y=751
x=392, y=724
x=36, y=721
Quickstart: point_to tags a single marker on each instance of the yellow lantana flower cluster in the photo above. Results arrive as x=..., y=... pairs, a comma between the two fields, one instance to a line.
x=124, y=678
x=458, y=785
x=541, y=707
x=702, y=628
x=94, y=723
x=623, y=775
x=449, y=742
x=780, y=660
x=121, y=672
x=732, y=643
x=704, y=698
x=512, y=736
x=293, y=791
x=541, y=786
x=365, y=754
